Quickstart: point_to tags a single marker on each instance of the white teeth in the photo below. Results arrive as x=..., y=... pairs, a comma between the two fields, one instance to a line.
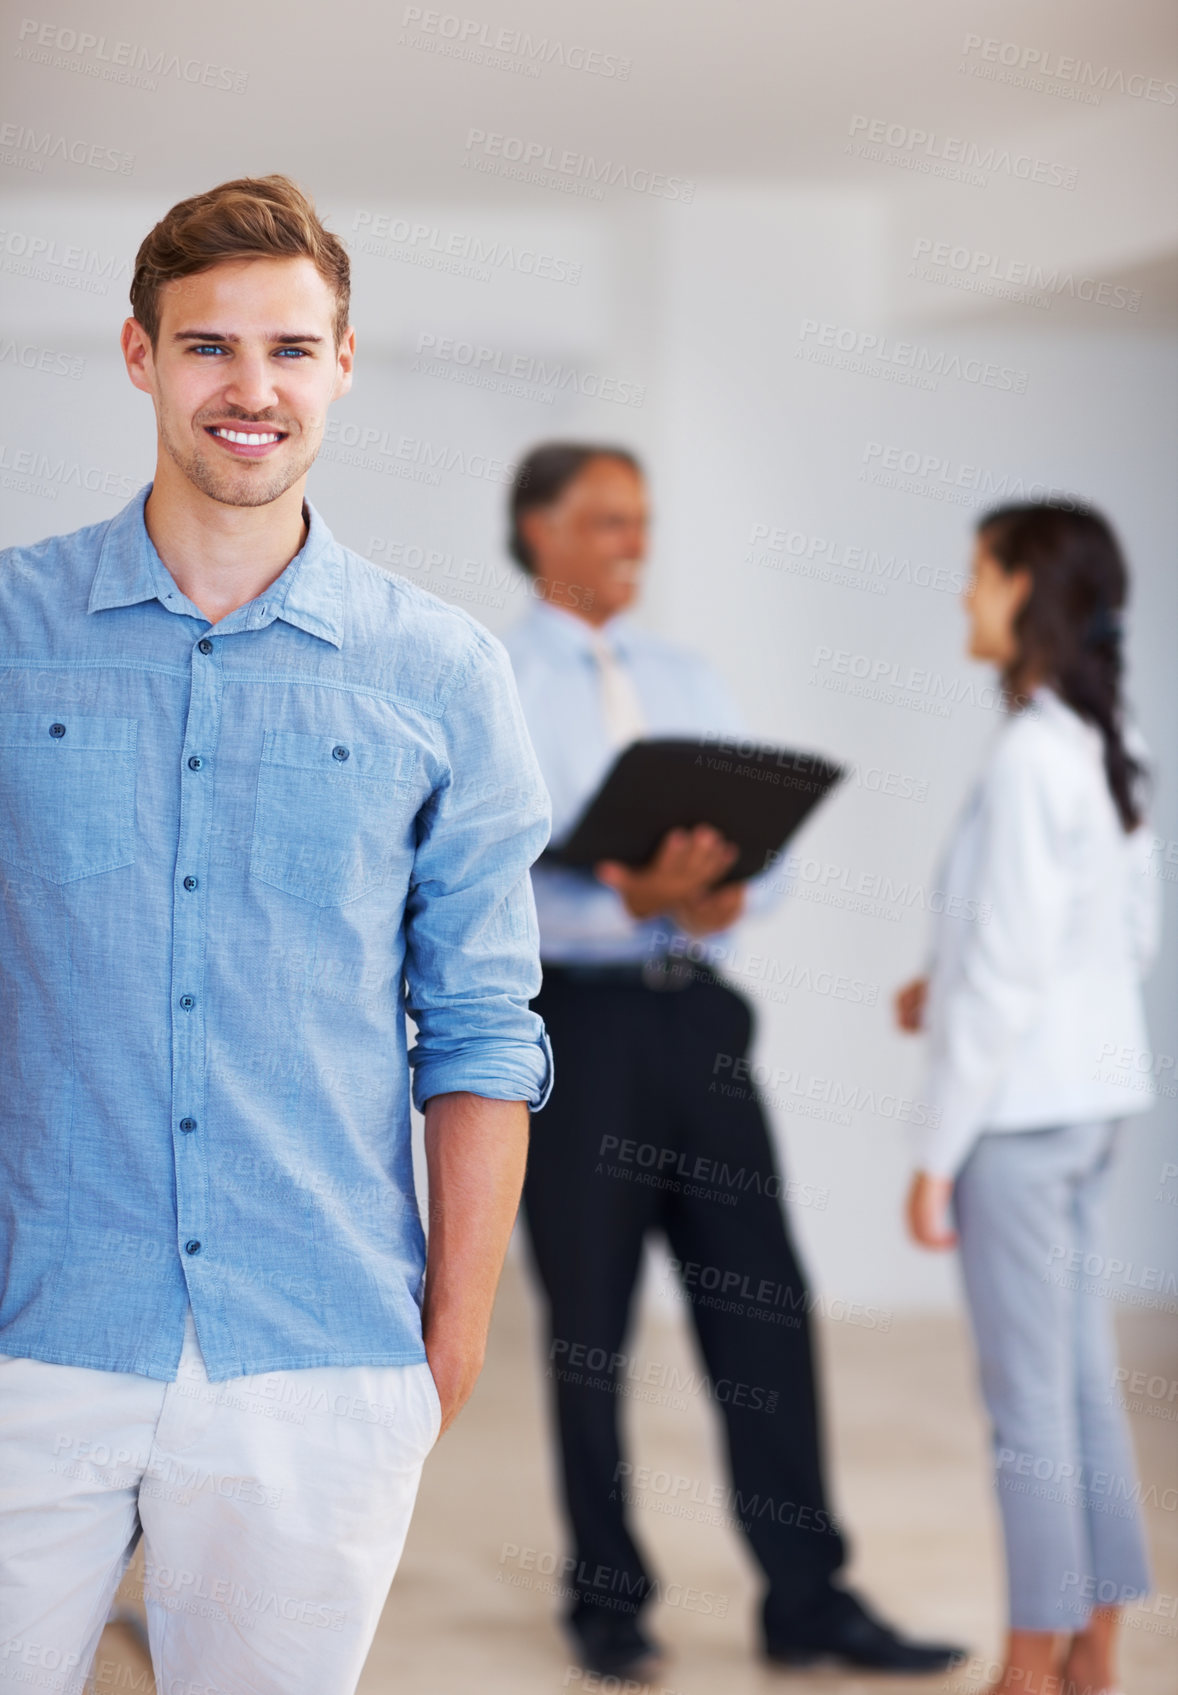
x=244, y=440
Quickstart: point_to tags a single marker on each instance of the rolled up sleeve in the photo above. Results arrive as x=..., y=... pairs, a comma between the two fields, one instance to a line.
x=472, y=947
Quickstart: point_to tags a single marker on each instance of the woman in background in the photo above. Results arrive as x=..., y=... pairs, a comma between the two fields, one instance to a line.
x=1034, y=986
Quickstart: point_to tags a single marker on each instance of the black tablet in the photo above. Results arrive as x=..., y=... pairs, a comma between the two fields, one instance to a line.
x=755, y=796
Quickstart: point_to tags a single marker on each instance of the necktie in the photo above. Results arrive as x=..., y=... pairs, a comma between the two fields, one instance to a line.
x=621, y=708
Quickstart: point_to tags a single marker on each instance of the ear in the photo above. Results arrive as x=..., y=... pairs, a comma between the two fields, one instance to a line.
x=533, y=525
x=1020, y=587
x=138, y=356
x=345, y=363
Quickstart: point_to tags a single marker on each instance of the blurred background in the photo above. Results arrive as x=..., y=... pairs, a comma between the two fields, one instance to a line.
x=842, y=276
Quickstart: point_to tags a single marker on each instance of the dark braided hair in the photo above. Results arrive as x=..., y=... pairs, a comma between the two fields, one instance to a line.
x=1069, y=630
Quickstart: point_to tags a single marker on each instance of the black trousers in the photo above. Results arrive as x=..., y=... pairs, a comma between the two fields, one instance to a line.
x=653, y=1126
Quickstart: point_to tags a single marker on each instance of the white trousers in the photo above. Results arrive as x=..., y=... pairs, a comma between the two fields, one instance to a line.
x=273, y=1511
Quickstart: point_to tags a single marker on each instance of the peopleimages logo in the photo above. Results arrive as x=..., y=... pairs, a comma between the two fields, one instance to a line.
x=990, y=273
x=472, y=38
x=381, y=235
x=785, y=549
x=907, y=362
x=539, y=378
x=29, y=148
x=26, y=471
x=51, y=360
x=514, y=155
x=918, y=147
x=42, y=257
x=63, y=48
x=1038, y=67
x=938, y=477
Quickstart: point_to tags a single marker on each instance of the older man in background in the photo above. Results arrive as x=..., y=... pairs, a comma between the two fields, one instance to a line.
x=637, y=1031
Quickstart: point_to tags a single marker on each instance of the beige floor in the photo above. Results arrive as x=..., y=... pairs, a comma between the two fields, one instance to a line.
x=468, y=1615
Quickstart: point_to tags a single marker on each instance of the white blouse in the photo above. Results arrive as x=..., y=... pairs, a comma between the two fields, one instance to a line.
x=1050, y=919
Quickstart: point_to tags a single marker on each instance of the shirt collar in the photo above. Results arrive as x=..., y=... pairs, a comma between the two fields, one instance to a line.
x=308, y=593
x=617, y=632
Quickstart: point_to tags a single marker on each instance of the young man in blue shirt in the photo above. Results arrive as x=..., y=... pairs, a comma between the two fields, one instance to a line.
x=260, y=801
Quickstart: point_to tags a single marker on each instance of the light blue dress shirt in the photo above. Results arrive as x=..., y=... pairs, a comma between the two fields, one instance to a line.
x=232, y=859
x=582, y=921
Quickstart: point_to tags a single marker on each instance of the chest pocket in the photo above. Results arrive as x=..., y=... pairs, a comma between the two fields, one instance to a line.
x=67, y=793
x=334, y=817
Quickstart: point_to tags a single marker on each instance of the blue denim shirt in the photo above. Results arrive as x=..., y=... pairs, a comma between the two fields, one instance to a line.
x=233, y=859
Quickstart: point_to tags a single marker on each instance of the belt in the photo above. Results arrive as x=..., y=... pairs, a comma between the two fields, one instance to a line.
x=659, y=973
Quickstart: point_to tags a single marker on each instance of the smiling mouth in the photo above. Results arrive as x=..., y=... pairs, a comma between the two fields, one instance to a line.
x=246, y=438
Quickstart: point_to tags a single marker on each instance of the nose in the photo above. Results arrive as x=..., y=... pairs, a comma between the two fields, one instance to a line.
x=251, y=386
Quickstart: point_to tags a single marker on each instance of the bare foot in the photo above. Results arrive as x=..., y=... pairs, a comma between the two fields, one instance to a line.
x=1031, y=1664
x=1078, y=1678
x=1088, y=1668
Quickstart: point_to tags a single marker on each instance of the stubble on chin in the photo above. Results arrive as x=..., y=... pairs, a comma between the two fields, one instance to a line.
x=247, y=484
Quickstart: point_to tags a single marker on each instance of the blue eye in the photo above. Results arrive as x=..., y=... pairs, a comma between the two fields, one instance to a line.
x=295, y=352
x=209, y=347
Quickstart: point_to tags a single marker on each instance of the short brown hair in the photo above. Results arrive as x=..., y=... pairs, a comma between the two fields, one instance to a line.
x=249, y=218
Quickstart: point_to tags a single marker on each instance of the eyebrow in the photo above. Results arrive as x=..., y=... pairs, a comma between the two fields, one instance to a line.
x=220, y=335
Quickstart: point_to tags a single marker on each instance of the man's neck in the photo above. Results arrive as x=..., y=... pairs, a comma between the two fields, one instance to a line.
x=221, y=556
x=580, y=606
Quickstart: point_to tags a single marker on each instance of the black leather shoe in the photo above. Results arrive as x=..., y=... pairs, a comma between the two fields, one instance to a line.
x=842, y=1628
x=614, y=1649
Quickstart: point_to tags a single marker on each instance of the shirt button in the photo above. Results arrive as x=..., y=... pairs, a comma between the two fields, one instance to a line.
x=187, y=1124
x=195, y=762
x=57, y=730
x=190, y=883
x=205, y=645
x=192, y=1247
x=187, y=1002
x=340, y=753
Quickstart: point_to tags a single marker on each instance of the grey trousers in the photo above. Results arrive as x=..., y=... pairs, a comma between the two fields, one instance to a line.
x=1030, y=1210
